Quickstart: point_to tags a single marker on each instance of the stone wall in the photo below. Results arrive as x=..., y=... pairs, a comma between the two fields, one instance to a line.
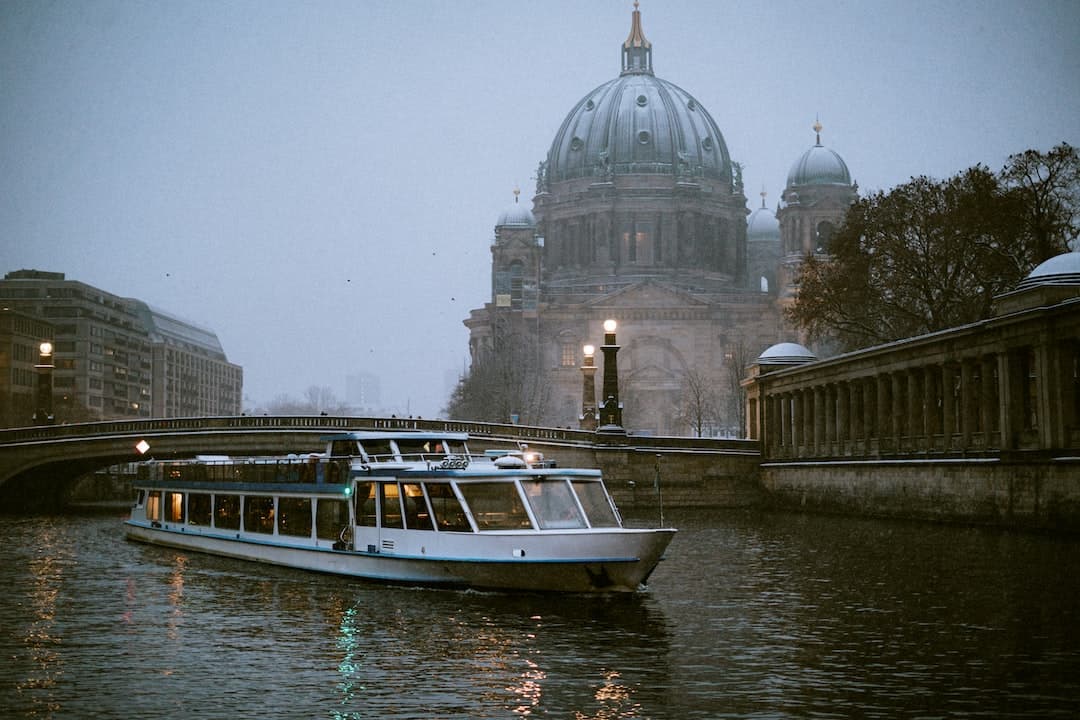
x=1036, y=495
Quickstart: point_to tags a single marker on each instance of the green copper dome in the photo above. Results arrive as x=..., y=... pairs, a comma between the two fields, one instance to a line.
x=819, y=166
x=638, y=124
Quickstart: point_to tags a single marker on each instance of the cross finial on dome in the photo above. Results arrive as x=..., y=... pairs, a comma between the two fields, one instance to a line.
x=763, y=194
x=636, y=51
x=817, y=129
x=517, y=191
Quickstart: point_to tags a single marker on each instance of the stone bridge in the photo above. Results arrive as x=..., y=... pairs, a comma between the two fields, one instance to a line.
x=39, y=465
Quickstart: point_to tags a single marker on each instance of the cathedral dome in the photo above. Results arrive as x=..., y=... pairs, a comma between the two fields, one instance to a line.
x=517, y=215
x=638, y=124
x=819, y=166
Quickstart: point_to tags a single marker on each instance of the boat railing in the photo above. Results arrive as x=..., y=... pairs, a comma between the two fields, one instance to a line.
x=311, y=469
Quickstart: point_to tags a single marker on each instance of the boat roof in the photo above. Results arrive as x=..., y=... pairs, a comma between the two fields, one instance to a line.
x=397, y=434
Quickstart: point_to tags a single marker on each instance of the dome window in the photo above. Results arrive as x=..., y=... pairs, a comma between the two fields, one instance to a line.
x=643, y=137
x=589, y=105
x=642, y=101
x=577, y=143
x=706, y=144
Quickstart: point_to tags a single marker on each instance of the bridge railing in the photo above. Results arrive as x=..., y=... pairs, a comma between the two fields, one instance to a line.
x=330, y=424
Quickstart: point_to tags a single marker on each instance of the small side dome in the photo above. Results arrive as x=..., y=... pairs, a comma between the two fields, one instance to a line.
x=819, y=166
x=517, y=215
x=786, y=353
x=762, y=224
x=1061, y=269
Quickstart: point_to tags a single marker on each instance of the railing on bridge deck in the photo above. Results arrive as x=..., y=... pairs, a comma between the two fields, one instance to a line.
x=520, y=433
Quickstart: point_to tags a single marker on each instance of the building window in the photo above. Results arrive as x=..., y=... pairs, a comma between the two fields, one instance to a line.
x=568, y=357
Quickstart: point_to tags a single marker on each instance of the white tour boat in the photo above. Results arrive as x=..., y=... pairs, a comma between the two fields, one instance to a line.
x=401, y=506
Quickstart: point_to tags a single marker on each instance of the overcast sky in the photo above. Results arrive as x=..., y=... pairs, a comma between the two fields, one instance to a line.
x=318, y=182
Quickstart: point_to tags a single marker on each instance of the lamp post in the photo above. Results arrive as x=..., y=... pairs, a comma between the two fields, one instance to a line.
x=611, y=414
x=588, y=389
x=43, y=415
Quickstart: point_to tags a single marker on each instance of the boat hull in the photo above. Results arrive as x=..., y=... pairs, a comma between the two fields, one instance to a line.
x=620, y=560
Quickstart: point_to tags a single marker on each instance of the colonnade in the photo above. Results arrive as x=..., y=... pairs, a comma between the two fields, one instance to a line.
x=1019, y=398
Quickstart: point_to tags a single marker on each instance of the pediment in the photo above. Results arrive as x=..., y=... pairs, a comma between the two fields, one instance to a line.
x=653, y=375
x=648, y=294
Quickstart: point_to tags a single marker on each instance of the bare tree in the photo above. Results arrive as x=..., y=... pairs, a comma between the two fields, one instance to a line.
x=698, y=402
x=506, y=382
x=738, y=357
x=318, y=399
x=321, y=399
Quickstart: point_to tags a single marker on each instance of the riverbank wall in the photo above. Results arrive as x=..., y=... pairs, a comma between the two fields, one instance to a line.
x=1022, y=495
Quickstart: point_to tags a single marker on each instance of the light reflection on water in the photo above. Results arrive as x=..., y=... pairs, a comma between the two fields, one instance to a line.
x=751, y=615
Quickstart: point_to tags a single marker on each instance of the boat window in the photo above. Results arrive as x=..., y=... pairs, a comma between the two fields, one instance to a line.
x=331, y=516
x=174, y=507
x=344, y=448
x=379, y=450
x=222, y=472
x=259, y=514
x=595, y=501
x=153, y=506
x=365, y=504
x=227, y=512
x=456, y=447
x=294, y=516
x=420, y=449
x=553, y=503
x=449, y=515
x=142, y=497
x=495, y=506
x=391, y=506
x=198, y=505
x=416, y=510
x=311, y=470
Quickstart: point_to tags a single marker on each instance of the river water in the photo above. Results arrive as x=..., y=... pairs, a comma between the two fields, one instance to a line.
x=752, y=615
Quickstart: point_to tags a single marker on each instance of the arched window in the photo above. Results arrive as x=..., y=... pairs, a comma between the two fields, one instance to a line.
x=825, y=230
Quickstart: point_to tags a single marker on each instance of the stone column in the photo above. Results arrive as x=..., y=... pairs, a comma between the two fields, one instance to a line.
x=855, y=413
x=843, y=431
x=785, y=423
x=796, y=428
x=967, y=401
x=916, y=414
x=899, y=427
x=948, y=406
x=831, y=435
x=930, y=406
x=990, y=397
x=819, y=420
x=884, y=411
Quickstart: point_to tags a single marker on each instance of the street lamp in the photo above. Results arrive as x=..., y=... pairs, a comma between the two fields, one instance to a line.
x=43, y=415
x=611, y=414
x=587, y=421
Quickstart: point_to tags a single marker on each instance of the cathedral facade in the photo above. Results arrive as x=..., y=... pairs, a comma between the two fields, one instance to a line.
x=640, y=216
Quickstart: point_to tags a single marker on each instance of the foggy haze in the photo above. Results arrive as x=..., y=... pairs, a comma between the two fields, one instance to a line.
x=318, y=182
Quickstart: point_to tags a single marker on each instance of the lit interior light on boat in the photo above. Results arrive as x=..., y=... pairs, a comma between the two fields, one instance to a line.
x=142, y=446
